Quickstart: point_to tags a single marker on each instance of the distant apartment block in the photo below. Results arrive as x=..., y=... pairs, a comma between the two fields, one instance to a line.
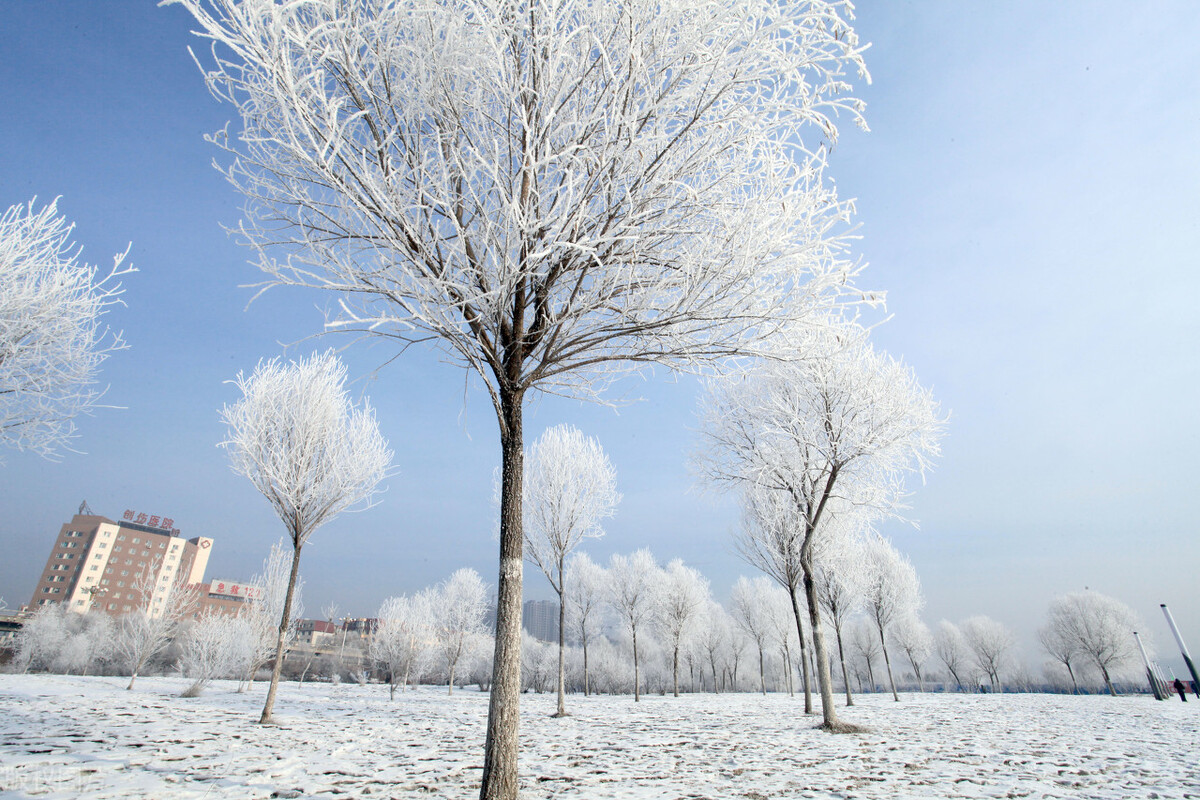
x=540, y=619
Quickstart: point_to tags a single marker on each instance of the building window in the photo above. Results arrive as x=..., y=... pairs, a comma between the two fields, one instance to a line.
x=103, y=545
x=134, y=540
x=95, y=567
x=121, y=583
x=120, y=537
x=112, y=606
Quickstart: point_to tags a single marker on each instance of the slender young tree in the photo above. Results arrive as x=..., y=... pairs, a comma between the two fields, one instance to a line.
x=634, y=583
x=52, y=338
x=570, y=486
x=404, y=636
x=460, y=604
x=990, y=643
x=891, y=591
x=748, y=605
x=209, y=649
x=840, y=576
x=161, y=607
x=552, y=193
x=585, y=599
x=913, y=638
x=835, y=435
x=714, y=638
x=770, y=540
x=951, y=649
x=310, y=452
x=681, y=603
x=1059, y=643
x=865, y=644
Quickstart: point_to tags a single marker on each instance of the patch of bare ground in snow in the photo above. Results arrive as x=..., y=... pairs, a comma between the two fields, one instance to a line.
x=68, y=737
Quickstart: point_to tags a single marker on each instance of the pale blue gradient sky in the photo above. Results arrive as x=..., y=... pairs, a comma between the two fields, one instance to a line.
x=1029, y=196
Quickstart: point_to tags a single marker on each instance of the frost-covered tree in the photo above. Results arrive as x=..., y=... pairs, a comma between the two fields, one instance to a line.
x=405, y=637
x=714, y=638
x=209, y=649
x=891, y=591
x=836, y=434
x=1058, y=641
x=161, y=608
x=1094, y=627
x=52, y=339
x=460, y=604
x=840, y=576
x=682, y=601
x=951, y=649
x=770, y=540
x=570, y=486
x=781, y=621
x=864, y=644
x=309, y=451
x=749, y=606
x=586, y=595
x=912, y=637
x=552, y=193
x=41, y=638
x=990, y=643
x=634, y=583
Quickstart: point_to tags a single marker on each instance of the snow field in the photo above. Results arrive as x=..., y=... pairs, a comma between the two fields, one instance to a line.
x=72, y=737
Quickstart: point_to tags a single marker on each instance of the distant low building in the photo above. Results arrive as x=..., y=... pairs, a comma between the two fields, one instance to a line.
x=316, y=632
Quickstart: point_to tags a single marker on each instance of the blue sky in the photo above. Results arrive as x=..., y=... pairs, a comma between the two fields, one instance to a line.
x=1029, y=197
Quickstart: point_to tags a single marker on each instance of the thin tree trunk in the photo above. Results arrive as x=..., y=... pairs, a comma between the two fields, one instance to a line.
x=586, y=685
x=888, y=662
x=762, y=674
x=285, y=620
x=499, y=779
x=1074, y=683
x=808, y=706
x=837, y=628
x=562, y=659
x=675, y=665
x=637, y=679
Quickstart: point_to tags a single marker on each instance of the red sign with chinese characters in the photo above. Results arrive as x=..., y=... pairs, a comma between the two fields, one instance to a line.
x=150, y=520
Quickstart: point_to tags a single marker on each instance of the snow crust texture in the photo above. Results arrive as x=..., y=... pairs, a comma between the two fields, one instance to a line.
x=70, y=737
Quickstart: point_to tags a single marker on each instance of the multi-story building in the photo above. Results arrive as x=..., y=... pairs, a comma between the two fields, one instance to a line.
x=540, y=619
x=109, y=566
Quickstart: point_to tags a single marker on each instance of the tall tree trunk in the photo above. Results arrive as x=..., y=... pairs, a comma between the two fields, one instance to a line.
x=888, y=662
x=562, y=643
x=1074, y=683
x=637, y=678
x=586, y=685
x=285, y=619
x=499, y=780
x=808, y=705
x=829, y=717
x=675, y=667
x=837, y=628
x=762, y=673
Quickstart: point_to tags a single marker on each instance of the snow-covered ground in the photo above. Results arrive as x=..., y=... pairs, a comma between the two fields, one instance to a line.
x=68, y=737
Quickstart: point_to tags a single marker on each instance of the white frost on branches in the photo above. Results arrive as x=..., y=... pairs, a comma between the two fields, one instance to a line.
x=52, y=341
x=311, y=453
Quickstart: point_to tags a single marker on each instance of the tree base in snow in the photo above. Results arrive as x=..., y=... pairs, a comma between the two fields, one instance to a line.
x=843, y=727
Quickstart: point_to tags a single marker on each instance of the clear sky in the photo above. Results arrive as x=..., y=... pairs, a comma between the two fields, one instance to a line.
x=1029, y=197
